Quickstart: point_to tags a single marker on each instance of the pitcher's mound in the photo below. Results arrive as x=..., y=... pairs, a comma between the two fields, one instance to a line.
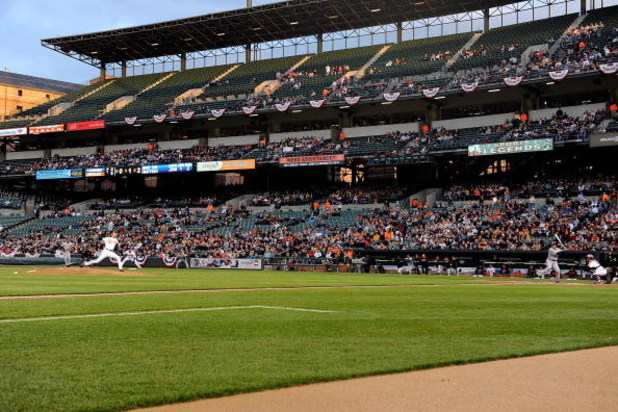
x=85, y=271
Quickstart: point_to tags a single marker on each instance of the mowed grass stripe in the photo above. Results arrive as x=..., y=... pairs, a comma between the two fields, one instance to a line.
x=162, y=280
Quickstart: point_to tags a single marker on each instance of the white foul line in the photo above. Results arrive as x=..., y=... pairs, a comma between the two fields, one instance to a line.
x=149, y=312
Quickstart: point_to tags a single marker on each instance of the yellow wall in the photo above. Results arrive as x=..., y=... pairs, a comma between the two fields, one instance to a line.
x=10, y=99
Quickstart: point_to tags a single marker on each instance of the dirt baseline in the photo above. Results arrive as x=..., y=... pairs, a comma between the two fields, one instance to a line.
x=572, y=381
x=77, y=271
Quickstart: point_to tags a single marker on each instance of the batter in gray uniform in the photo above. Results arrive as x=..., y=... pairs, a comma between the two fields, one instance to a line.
x=67, y=247
x=551, y=264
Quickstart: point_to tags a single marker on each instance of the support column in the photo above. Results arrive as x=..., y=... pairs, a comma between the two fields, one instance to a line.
x=248, y=53
x=183, y=62
x=249, y=3
x=103, y=72
x=614, y=95
x=274, y=128
x=320, y=40
x=124, y=68
x=345, y=119
x=432, y=114
x=485, y=20
x=583, y=7
x=527, y=103
x=399, y=32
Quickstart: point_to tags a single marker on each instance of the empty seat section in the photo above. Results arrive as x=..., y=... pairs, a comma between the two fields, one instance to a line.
x=247, y=77
x=156, y=100
x=92, y=106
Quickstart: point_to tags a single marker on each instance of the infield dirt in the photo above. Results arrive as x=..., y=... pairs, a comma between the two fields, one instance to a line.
x=572, y=381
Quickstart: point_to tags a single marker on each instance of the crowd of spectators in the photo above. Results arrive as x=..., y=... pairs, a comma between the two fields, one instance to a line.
x=11, y=199
x=330, y=197
x=559, y=127
x=141, y=156
x=507, y=220
x=562, y=189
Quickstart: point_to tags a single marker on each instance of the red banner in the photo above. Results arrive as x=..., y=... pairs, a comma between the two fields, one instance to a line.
x=46, y=129
x=320, y=160
x=95, y=124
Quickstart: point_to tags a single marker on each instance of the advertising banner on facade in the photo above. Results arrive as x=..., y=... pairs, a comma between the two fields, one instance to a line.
x=603, y=141
x=95, y=172
x=59, y=174
x=208, y=263
x=54, y=128
x=226, y=165
x=503, y=148
x=322, y=160
x=171, y=168
x=93, y=125
x=20, y=131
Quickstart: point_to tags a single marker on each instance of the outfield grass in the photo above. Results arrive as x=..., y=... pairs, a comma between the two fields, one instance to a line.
x=123, y=362
x=25, y=283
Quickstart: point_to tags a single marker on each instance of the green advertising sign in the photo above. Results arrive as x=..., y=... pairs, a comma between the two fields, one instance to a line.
x=503, y=148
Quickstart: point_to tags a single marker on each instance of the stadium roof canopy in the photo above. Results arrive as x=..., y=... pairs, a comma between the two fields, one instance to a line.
x=270, y=22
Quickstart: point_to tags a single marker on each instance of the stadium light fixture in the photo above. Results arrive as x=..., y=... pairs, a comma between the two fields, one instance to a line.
x=376, y=10
x=256, y=28
x=335, y=16
x=174, y=122
x=95, y=52
x=550, y=83
x=123, y=48
x=221, y=34
x=419, y=3
x=154, y=44
x=188, y=38
x=293, y=23
x=254, y=115
x=440, y=98
x=344, y=107
x=210, y=119
x=137, y=125
x=493, y=91
x=297, y=111
x=386, y=103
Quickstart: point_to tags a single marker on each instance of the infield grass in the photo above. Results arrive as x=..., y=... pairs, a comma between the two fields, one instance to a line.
x=124, y=362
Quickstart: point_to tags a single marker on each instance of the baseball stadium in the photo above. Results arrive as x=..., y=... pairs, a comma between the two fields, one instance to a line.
x=313, y=205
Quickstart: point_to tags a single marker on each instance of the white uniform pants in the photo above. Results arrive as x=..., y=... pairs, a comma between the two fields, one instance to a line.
x=408, y=268
x=550, y=266
x=127, y=259
x=600, y=273
x=67, y=258
x=113, y=257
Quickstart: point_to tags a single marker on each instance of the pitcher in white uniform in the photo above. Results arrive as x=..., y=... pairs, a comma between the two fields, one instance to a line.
x=110, y=244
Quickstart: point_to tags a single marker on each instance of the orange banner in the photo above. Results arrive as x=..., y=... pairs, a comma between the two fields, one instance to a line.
x=321, y=160
x=54, y=128
x=226, y=165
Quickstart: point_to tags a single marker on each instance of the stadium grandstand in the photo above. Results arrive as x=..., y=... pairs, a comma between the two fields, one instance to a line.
x=313, y=131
